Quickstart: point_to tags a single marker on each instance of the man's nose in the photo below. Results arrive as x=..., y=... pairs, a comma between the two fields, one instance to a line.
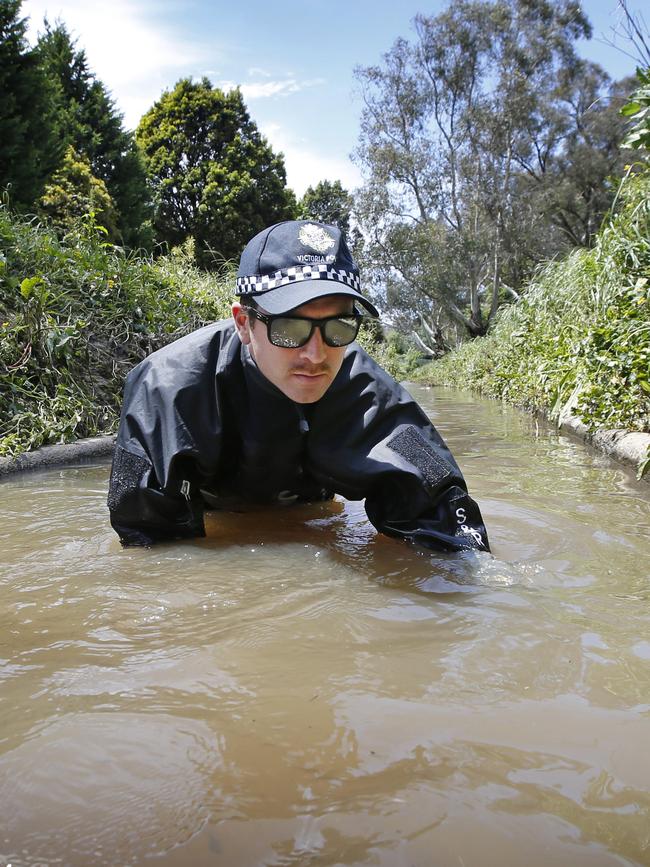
x=314, y=349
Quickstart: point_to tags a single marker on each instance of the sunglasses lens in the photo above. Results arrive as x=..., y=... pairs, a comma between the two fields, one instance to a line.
x=289, y=333
x=340, y=332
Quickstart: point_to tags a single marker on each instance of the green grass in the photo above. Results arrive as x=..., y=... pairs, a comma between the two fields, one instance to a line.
x=580, y=333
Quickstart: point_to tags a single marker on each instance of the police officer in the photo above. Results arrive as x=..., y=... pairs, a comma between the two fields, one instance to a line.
x=280, y=404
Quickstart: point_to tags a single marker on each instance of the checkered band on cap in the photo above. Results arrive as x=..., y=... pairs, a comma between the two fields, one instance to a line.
x=256, y=284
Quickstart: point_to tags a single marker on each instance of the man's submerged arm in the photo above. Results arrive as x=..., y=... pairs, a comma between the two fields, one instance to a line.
x=142, y=513
x=419, y=493
x=168, y=440
x=450, y=522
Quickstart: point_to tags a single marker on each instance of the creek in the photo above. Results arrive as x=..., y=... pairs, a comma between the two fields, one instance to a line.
x=296, y=690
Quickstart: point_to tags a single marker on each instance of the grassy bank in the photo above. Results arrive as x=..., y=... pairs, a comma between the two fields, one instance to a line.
x=75, y=315
x=580, y=333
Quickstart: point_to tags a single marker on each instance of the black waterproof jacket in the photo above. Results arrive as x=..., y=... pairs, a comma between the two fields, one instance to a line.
x=201, y=426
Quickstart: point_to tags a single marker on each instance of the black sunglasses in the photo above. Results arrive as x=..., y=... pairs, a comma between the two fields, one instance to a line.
x=291, y=332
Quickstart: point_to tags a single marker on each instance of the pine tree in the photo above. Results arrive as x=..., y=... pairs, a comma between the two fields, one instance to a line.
x=90, y=123
x=30, y=147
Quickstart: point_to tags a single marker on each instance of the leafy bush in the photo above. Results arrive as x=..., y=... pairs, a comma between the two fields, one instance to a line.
x=400, y=358
x=638, y=109
x=580, y=333
x=75, y=315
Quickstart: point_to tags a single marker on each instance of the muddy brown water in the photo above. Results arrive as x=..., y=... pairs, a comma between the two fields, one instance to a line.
x=295, y=690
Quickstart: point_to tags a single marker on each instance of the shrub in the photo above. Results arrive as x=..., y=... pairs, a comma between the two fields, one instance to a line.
x=75, y=315
x=581, y=331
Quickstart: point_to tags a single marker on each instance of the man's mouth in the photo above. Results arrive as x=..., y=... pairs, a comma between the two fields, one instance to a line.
x=310, y=374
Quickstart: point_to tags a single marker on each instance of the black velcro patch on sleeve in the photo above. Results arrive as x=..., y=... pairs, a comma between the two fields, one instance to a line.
x=126, y=474
x=417, y=450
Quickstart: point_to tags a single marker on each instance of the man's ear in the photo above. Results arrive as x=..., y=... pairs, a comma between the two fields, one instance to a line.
x=242, y=322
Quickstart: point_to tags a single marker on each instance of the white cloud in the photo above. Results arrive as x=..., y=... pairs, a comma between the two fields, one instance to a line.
x=265, y=89
x=137, y=56
x=262, y=90
x=127, y=47
x=306, y=166
x=256, y=72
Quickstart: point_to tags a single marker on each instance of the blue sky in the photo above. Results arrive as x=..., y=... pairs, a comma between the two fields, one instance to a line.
x=294, y=60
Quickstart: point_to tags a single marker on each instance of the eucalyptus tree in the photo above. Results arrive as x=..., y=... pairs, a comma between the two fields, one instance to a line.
x=574, y=161
x=215, y=178
x=465, y=132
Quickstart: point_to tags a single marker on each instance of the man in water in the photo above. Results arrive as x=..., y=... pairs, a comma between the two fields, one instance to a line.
x=280, y=405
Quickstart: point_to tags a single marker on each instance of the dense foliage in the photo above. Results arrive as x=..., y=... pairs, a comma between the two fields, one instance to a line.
x=88, y=121
x=580, y=335
x=327, y=202
x=211, y=176
x=30, y=148
x=75, y=315
x=638, y=109
x=74, y=192
x=214, y=176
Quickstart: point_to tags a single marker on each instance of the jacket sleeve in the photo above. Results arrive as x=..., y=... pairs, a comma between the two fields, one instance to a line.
x=142, y=510
x=386, y=450
x=168, y=442
x=419, y=493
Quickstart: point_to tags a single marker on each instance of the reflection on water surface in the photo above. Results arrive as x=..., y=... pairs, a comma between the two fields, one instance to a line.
x=295, y=690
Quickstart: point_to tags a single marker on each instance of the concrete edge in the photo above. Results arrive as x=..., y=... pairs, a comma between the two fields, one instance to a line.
x=81, y=451
x=627, y=447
